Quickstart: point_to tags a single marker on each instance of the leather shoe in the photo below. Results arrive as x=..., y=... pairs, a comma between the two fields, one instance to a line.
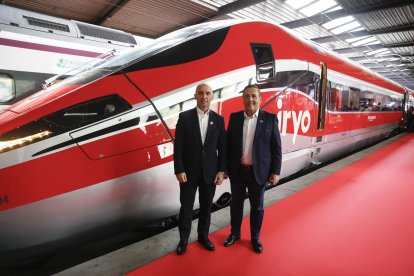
x=207, y=244
x=181, y=248
x=257, y=246
x=231, y=239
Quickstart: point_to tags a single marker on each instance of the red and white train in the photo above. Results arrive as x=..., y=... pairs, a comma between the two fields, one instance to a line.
x=94, y=152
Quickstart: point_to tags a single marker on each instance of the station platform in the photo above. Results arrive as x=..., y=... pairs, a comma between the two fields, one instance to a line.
x=351, y=217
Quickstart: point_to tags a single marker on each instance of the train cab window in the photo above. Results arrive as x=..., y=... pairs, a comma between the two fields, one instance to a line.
x=7, y=88
x=88, y=112
x=63, y=121
x=265, y=62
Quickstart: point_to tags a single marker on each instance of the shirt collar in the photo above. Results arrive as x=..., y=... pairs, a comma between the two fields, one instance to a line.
x=255, y=115
x=201, y=112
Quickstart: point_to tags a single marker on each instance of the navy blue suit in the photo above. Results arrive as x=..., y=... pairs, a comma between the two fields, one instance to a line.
x=267, y=159
x=201, y=164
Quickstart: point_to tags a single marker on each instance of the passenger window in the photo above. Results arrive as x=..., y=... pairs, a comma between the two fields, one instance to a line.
x=354, y=99
x=7, y=88
x=88, y=112
x=304, y=81
x=345, y=99
x=265, y=62
x=335, y=96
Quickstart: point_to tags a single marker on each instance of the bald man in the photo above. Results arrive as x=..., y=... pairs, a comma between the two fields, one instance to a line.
x=199, y=163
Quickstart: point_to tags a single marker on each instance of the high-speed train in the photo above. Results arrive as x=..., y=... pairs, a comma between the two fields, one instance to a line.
x=94, y=152
x=35, y=47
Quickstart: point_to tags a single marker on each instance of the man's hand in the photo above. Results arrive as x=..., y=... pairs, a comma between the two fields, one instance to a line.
x=181, y=177
x=273, y=179
x=219, y=178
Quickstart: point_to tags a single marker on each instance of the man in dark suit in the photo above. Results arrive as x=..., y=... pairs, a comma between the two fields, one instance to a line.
x=199, y=162
x=254, y=158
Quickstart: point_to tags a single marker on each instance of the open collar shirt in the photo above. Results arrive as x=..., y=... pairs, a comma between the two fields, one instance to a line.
x=203, y=123
x=249, y=128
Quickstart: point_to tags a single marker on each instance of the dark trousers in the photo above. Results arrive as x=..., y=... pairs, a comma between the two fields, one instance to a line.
x=247, y=180
x=187, y=196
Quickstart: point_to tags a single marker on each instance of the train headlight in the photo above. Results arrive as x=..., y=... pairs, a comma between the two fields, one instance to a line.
x=17, y=143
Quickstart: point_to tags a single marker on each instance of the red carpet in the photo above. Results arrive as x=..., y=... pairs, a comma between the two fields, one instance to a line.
x=357, y=221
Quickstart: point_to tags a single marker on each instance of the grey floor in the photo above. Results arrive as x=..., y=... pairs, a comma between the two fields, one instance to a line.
x=141, y=253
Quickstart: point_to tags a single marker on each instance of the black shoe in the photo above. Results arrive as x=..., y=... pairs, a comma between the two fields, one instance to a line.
x=257, y=246
x=231, y=239
x=181, y=248
x=207, y=244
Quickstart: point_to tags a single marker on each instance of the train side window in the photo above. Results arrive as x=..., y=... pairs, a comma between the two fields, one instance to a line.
x=89, y=112
x=354, y=99
x=304, y=81
x=366, y=101
x=265, y=62
x=7, y=88
x=345, y=99
x=335, y=97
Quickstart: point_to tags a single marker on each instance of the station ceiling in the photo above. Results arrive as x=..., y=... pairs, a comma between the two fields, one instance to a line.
x=378, y=34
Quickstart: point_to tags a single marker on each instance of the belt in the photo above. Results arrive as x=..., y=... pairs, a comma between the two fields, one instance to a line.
x=246, y=167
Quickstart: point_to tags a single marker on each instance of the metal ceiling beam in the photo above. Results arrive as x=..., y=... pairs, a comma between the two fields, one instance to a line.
x=328, y=16
x=315, y=19
x=385, y=5
x=382, y=63
x=359, y=49
x=232, y=7
x=110, y=10
x=359, y=58
x=332, y=38
x=237, y=5
x=372, y=47
x=394, y=29
x=348, y=35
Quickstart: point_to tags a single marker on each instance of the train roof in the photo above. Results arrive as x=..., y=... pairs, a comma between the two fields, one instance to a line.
x=27, y=22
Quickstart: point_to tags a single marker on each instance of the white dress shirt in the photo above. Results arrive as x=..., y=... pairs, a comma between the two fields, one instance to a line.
x=203, y=123
x=249, y=128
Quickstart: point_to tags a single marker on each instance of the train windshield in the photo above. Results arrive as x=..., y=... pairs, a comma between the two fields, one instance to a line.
x=113, y=62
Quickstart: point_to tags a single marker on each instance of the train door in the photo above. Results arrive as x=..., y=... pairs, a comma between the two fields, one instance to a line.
x=319, y=131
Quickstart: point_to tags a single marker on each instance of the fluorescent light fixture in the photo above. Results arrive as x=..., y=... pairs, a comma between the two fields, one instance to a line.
x=318, y=7
x=365, y=41
x=335, y=9
x=358, y=29
x=298, y=4
x=382, y=50
x=351, y=40
x=346, y=27
x=338, y=22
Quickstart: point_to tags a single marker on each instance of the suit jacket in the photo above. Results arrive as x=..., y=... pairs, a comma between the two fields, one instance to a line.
x=191, y=156
x=267, y=150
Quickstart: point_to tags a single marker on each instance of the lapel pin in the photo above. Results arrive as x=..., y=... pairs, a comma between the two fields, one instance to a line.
x=211, y=123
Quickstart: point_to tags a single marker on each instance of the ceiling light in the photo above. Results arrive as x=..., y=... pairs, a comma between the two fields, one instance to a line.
x=318, y=7
x=298, y=4
x=338, y=22
x=346, y=27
